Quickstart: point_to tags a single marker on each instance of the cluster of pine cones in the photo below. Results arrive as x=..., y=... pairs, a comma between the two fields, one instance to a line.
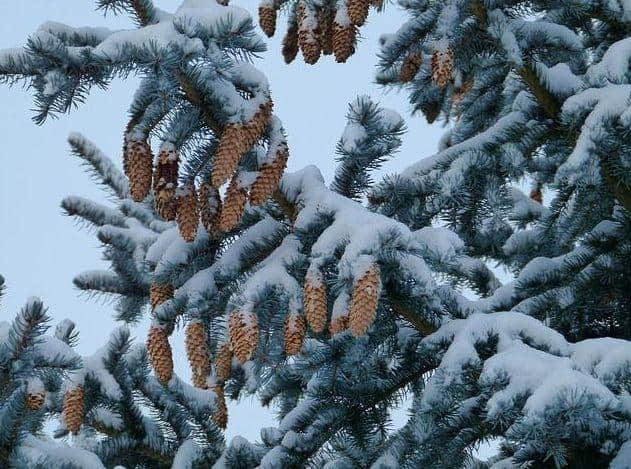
x=318, y=29
x=189, y=204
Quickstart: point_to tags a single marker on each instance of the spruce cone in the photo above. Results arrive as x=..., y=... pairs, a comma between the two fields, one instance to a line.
x=315, y=302
x=74, y=409
x=290, y=43
x=338, y=325
x=209, y=207
x=223, y=362
x=220, y=416
x=244, y=335
x=234, y=206
x=410, y=67
x=267, y=19
x=255, y=128
x=326, y=18
x=343, y=41
x=536, y=195
x=461, y=92
x=35, y=400
x=165, y=202
x=295, y=330
x=363, y=309
x=160, y=353
x=140, y=166
x=167, y=167
x=432, y=112
x=358, y=11
x=197, y=353
x=269, y=176
x=308, y=35
x=442, y=67
x=187, y=214
x=159, y=293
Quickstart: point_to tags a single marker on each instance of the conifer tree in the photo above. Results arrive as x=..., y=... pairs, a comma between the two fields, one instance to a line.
x=335, y=303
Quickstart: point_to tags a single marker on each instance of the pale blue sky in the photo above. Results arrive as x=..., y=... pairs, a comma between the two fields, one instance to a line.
x=41, y=251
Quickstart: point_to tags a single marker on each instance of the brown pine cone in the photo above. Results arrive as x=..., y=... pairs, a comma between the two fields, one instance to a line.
x=160, y=354
x=308, y=34
x=326, y=18
x=255, y=128
x=209, y=207
x=167, y=167
x=35, y=400
x=461, y=92
x=74, y=409
x=269, y=176
x=233, y=207
x=229, y=151
x=290, y=43
x=295, y=330
x=432, y=112
x=358, y=11
x=267, y=19
x=536, y=195
x=363, y=309
x=159, y=293
x=244, y=335
x=187, y=214
x=442, y=67
x=338, y=325
x=343, y=41
x=140, y=168
x=197, y=352
x=314, y=298
x=223, y=362
x=410, y=67
x=220, y=415
x=165, y=202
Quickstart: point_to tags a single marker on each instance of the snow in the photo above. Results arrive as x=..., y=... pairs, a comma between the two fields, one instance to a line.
x=107, y=418
x=188, y=452
x=44, y=451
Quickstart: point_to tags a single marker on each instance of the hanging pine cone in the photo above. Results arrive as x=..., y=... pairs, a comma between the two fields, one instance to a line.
x=165, y=203
x=220, y=415
x=167, y=166
x=461, y=92
x=229, y=151
x=140, y=167
x=307, y=34
x=187, y=214
x=326, y=18
x=209, y=207
x=315, y=302
x=160, y=354
x=442, y=67
x=290, y=43
x=35, y=400
x=244, y=335
x=255, y=128
x=338, y=324
x=234, y=206
x=223, y=362
x=358, y=11
x=536, y=195
x=197, y=352
x=74, y=409
x=431, y=112
x=363, y=309
x=343, y=41
x=410, y=67
x=269, y=176
x=159, y=293
x=267, y=19
x=295, y=330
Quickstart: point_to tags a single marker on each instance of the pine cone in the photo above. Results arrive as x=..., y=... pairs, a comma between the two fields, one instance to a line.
x=358, y=11
x=269, y=176
x=432, y=112
x=290, y=44
x=442, y=67
x=338, y=325
x=167, y=167
x=159, y=293
x=187, y=214
x=363, y=309
x=140, y=167
x=295, y=330
x=160, y=354
x=255, y=128
x=209, y=207
x=35, y=400
x=315, y=302
x=343, y=41
x=234, y=206
x=536, y=195
x=244, y=335
x=229, y=151
x=267, y=19
x=223, y=362
x=326, y=18
x=308, y=35
x=220, y=415
x=461, y=92
x=197, y=352
x=74, y=409
x=165, y=202
x=410, y=67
